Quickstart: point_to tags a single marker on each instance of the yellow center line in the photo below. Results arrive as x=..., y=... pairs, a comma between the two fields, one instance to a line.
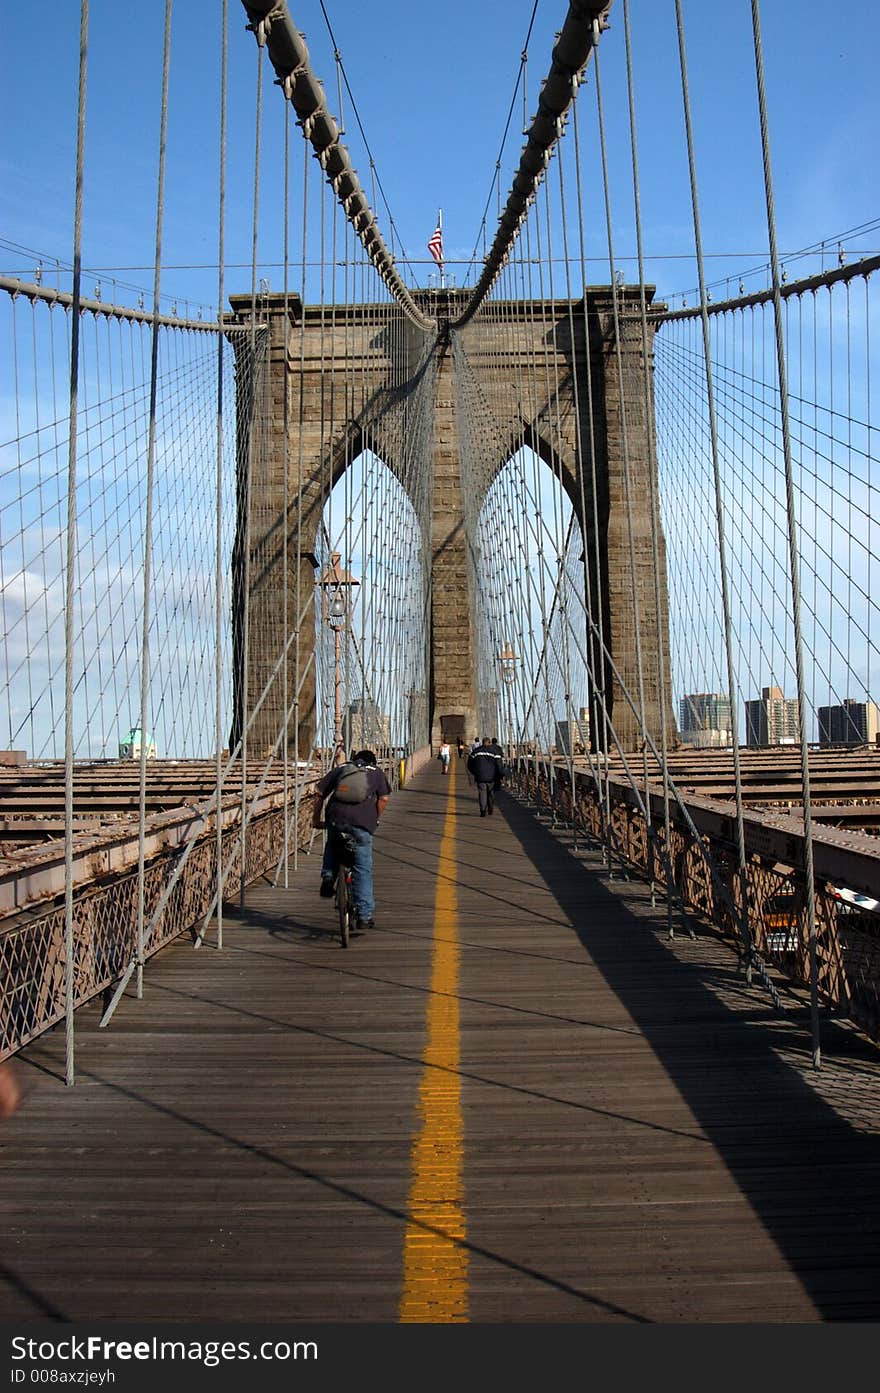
x=435, y=1265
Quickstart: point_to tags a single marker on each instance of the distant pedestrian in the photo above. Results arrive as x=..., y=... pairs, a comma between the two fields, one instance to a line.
x=444, y=756
x=460, y=747
x=486, y=763
x=475, y=745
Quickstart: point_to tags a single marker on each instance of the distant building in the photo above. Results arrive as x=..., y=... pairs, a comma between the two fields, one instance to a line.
x=851, y=723
x=366, y=727
x=584, y=724
x=773, y=719
x=131, y=744
x=705, y=720
x=573, y=737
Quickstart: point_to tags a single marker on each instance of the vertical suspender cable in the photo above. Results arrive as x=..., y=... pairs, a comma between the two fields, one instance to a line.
x=285, y=514
x=716, y=472
x=321, y=627
x=589, y=640
x=595, y=625
x=652, y=466
x=69, y=983
x=327, y=446
x=868, y=686
x=627, y=479
x=561, y=541
x=297, y=672
x=250, y=454
x=792, y=534
x=218, y=552
x=16, y=393
x=148, y=511
x=546, y=616
x=346, y=414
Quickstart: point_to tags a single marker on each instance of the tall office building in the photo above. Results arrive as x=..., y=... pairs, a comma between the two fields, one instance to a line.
x=851, y=723
x=573, y=737
x=705, y=720
x=773, y=719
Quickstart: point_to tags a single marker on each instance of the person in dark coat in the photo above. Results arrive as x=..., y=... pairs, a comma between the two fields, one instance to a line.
x=486, y=763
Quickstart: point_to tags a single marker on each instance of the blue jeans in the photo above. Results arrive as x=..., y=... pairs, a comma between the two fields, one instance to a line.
x=361, y=871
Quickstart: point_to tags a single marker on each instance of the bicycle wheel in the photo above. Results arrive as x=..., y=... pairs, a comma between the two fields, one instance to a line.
x=343, y=906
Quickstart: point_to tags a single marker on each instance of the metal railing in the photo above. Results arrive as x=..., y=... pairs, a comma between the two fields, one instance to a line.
x=700, y=869
x=33, y=961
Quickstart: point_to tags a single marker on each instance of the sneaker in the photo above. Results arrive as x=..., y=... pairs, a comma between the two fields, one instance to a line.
x=364, y=925
x=328, y=887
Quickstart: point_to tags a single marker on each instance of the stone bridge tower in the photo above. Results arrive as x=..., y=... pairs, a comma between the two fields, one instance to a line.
x=597, y=406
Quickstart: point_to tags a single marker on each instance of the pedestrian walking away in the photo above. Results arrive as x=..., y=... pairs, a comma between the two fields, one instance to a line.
x=486, y=763
x=475, y=745
x=356, y=795
x=460, y=747
x=445, y=756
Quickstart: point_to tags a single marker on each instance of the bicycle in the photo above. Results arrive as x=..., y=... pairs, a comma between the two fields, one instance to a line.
x=345, y=848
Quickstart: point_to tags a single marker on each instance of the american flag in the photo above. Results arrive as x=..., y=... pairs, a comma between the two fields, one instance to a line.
x=435, y=245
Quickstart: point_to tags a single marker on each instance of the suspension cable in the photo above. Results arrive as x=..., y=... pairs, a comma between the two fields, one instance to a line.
x=290, y=58
x=70, y=563
x=792, y=536
x=716, y=468
x=149, y=505
x=570, y=56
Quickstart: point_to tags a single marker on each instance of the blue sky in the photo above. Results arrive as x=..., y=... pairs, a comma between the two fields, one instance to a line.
x=433, y=88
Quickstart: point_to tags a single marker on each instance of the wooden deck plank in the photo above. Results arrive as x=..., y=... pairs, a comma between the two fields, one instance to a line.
x=644, y=1139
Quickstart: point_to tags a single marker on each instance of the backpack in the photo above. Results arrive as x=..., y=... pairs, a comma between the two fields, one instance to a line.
x=353, y=784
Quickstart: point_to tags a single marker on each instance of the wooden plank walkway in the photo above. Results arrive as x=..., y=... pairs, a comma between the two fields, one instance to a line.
x=613, y=1128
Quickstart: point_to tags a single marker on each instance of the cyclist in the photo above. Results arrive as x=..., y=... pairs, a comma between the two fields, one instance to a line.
x=356, y=794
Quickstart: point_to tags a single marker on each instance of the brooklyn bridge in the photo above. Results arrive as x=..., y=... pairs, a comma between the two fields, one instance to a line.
x=609, y=1055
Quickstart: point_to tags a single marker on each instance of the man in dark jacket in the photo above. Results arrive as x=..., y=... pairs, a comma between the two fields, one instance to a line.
x=487, y=766
x=359, y=821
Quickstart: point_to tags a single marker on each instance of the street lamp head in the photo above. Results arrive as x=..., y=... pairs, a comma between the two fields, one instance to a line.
x=507, y=661
x=337, y=611
x=336, y=584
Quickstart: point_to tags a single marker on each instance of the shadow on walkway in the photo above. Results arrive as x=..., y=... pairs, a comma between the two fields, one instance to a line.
x=810, y=1174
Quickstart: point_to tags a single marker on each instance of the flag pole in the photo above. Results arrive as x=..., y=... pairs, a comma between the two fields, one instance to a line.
x=440, y=226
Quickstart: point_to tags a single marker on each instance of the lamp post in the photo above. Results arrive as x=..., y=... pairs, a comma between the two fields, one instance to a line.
x=507, y=661
x=335, y=585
